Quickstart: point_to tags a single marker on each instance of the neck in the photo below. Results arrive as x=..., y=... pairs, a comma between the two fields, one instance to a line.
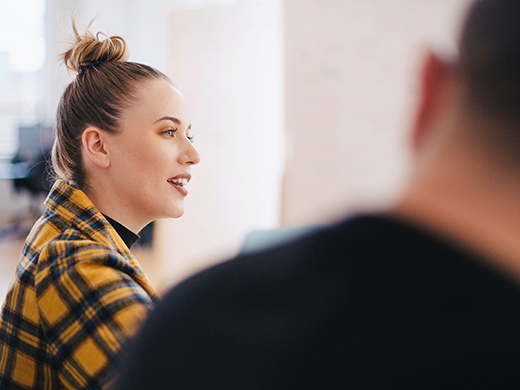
x=110, y=203
x=470, y=199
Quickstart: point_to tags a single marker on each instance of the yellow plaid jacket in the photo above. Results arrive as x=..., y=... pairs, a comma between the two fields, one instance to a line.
x=78, y=294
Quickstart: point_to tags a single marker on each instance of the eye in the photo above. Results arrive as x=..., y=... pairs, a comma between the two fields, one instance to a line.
x=191, y=138
x=169, y=133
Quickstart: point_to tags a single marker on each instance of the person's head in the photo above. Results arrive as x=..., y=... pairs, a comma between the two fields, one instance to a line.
x=485, y=76
x=122, y=133
x=490, y=58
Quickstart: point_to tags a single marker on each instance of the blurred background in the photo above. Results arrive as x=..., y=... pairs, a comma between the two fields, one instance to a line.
x=300, y=109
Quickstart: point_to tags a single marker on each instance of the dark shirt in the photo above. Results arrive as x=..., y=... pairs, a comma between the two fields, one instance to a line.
x=128, y=236
x=372, y=303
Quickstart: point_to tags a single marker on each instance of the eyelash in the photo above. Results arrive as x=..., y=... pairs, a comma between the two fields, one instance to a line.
x=172, y=131
x=191, y=138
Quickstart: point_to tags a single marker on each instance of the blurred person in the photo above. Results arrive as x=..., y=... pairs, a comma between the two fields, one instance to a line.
x=123, y=153
x=423, y=295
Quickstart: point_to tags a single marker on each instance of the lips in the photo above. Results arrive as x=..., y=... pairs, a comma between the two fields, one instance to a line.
x=180, y=182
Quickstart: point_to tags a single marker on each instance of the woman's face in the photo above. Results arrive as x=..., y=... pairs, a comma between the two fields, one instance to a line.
x=152, y=155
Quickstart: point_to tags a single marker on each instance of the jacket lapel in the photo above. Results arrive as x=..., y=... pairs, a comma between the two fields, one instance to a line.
x=75, y=208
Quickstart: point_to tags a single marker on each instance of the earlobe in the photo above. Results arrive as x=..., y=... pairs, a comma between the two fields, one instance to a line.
x=95, y=146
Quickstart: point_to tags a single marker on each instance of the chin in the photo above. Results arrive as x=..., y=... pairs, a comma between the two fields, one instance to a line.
x=176, y=213
x=170, y=215
x=169, y=211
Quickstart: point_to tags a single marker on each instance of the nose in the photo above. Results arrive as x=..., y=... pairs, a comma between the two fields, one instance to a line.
x=190, y=155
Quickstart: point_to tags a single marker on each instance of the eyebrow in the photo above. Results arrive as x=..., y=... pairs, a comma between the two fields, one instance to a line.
x=169, y=118
x=173, y=119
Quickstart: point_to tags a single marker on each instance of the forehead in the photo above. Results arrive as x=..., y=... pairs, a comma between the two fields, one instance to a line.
x=156, y=99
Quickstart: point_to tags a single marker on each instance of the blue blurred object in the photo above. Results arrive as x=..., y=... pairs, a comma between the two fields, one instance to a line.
x=258, y=240
x=10, y=170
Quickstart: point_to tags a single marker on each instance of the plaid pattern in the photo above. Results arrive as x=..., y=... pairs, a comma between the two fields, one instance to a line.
x=77, y=296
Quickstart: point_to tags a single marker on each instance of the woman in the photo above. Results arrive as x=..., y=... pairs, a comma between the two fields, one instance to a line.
x=123, y=154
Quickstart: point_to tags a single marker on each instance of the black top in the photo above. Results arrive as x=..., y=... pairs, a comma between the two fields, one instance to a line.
x=128, y=236
x=372, y=303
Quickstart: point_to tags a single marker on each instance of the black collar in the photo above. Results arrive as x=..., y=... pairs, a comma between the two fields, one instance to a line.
x=128, y=236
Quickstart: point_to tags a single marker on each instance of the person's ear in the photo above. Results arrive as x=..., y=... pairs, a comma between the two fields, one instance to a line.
x=95, y=146
x=434, y=76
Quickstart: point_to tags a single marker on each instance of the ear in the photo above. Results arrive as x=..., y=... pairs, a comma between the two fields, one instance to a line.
x=434, y=76
x=95, y=146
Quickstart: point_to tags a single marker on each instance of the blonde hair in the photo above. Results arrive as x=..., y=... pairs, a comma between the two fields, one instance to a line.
x=88, y=47
x=105, y=85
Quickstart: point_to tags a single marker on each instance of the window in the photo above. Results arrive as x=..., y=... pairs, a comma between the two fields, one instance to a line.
x=22, y=57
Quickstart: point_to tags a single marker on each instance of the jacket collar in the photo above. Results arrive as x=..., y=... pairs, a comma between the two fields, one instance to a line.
x=74, y=207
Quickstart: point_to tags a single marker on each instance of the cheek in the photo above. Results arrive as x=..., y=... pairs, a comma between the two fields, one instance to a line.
x=139, y=150
x=153, y=162
x=147, y=159
x=133, y=159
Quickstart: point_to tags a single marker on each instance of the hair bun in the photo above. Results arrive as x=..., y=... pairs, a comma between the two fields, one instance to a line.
x=88, y=49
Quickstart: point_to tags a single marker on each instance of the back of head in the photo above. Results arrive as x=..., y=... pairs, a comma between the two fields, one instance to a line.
x=105, y=85
x=490, y=59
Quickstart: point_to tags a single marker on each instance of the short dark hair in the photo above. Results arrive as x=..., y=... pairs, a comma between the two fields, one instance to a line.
x=490, y=57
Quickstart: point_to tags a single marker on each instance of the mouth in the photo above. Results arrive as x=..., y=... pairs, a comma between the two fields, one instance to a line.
x=180, y=182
